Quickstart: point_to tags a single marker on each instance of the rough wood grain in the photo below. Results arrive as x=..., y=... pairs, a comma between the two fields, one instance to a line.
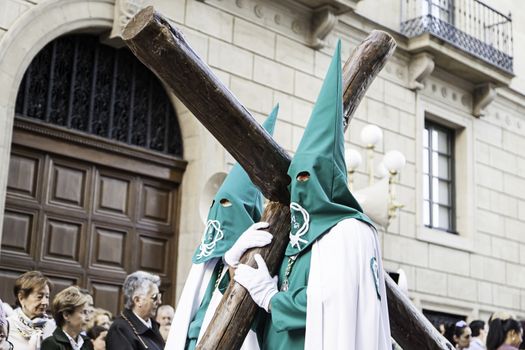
x=163, y=49
x=409, y=327
x=235, y=314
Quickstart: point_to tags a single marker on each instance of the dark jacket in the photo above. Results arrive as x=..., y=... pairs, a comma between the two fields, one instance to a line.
x=122, y=335
x=59, y=341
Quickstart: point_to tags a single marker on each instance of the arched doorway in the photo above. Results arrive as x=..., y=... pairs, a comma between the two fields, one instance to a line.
x=94, y=172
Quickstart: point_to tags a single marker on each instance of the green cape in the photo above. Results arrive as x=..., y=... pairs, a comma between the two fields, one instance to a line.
x=227, y=222
x=324, y=199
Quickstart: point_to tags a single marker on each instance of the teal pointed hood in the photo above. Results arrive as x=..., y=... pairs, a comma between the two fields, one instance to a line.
x=236, y=206
x=320, y=197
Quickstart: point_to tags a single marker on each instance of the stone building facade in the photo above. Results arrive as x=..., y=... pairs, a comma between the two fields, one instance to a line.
x=269, y=52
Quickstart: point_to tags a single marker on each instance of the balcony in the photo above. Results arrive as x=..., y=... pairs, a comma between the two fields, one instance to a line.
x=468, y=25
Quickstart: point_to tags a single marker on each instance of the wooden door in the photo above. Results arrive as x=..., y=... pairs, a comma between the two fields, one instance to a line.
x=83, y=215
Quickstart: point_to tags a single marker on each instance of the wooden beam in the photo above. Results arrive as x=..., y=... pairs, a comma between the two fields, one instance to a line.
x=163, y=49
x=409, y=327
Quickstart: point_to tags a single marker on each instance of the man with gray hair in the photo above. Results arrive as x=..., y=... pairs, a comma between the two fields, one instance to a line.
x=135, y=328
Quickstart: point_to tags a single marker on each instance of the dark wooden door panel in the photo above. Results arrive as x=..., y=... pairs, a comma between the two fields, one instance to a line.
x=63, y=240
x=109, y=248
x=114, y=196
x=156, y=200
x=7, y=281
x=83, y=223
x=24, y=171
x=68, y=185
x=19, y=231
x=108, y=294
x=153, y=254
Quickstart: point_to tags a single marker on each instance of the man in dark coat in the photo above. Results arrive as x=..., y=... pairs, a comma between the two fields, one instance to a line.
x=135, y=328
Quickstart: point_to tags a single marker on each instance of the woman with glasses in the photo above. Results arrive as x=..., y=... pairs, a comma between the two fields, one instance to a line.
x=135, y=328
x=71, y=316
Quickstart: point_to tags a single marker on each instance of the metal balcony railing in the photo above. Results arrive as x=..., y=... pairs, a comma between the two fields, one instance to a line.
x=469, y=25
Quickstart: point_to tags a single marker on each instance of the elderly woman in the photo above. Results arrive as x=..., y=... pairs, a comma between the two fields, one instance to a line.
x=71, y=316
x=135, y=328
x=102, y=318
x=29, y=324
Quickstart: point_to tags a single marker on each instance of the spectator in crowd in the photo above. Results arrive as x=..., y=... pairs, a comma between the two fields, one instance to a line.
x=4, y=330
x=478, y=335
x=101, y=317
x=135, y=328
x=442, y=328
x=90, y=307
x=522, y=345
x=504, y=334
x=29, y=323
x=98, y=334
x=164, y=317
x=70, y=311
x=459, y=334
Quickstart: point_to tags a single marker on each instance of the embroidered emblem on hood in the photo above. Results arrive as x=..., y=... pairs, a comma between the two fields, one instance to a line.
x=300, y=225
x=212, y=234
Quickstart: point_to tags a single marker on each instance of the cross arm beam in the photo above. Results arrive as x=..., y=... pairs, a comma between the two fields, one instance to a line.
x=163, y=49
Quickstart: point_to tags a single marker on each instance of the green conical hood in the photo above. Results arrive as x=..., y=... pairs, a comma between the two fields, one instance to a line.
x=324, y=199
x=235, y=207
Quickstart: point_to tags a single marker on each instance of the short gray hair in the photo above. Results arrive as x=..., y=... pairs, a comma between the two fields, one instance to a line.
x=138, y=283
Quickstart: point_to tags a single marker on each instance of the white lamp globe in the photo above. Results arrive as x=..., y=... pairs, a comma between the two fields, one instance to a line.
x=371, y=135
x=394, y=161
x=353, y=159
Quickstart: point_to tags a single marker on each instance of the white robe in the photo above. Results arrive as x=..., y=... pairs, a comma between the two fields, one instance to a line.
x=189, y=302
x=343, y=308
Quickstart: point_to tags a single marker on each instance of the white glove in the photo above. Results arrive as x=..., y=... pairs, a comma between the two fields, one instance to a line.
x=252, y=237
x=261, y=286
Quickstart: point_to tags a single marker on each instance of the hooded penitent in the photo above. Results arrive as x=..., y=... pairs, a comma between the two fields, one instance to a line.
x=320, y=197
x=235, y=207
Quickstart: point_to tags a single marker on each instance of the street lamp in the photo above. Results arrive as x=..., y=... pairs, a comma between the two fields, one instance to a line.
x=377, y=200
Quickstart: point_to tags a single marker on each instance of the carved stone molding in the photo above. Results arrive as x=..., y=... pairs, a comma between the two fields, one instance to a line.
x=124, y=11
x=420, y=67
x=483, y=94
x=323, y=22
x=307, y=21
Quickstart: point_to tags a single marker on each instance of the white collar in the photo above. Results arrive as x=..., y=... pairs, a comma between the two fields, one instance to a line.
x=76, y=344
x=147, y=323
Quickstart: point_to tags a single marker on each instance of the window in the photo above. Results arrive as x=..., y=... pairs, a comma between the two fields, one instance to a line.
x=438, y=177
x=78, y=83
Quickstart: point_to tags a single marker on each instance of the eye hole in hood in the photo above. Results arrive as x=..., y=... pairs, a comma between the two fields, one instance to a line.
x=303, y=176
x=225, y=203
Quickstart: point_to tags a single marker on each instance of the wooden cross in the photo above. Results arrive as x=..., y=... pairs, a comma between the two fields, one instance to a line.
x=163, y=49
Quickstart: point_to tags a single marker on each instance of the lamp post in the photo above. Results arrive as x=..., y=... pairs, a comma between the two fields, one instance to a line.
x=353, y=160
x=394, y=161
x=378, y=200
x=371, y=135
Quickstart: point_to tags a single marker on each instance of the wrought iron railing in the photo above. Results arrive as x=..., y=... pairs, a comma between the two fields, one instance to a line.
x=469, y=25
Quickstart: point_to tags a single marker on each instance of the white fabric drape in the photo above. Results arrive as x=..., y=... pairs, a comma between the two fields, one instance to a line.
x=343, y=307
x=190, y=300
